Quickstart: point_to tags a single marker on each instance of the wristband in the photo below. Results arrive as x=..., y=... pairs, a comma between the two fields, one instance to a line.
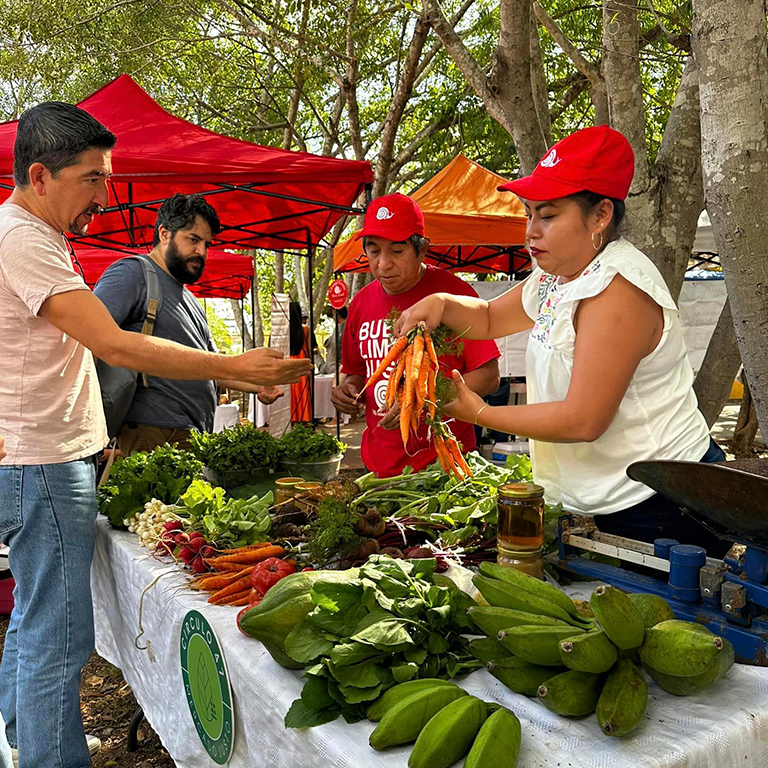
x=479, y=411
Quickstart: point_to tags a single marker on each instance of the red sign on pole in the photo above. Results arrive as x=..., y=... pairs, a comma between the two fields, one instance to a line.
x=338, y=293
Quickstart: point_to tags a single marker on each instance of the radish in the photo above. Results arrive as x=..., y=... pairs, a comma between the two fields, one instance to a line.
x=196, y=544
x=196, y=535
x=207, y=551
x=181, y=539
x=198, y=566
x=186, y=554
x=173, y=525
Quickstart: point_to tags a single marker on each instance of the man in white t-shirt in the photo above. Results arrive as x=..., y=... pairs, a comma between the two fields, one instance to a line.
x=53, y=423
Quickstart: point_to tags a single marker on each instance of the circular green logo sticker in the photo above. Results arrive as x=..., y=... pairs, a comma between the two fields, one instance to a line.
x=206, y=684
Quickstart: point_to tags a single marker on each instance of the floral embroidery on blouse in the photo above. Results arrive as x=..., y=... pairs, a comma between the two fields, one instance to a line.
x=549, y=298
x=550, y=294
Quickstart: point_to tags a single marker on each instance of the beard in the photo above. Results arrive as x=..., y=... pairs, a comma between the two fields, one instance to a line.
x=186, y=271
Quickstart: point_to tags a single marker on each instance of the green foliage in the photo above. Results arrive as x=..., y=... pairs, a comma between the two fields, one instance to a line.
x=163, y=474
x=331, y=531
x=392, y=624
x=218, y=328
x=239, y=448
x=303, y=443
x=228, y=522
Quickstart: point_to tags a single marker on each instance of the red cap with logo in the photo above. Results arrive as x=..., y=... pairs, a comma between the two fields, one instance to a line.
x=394, y=217
x=597, y=159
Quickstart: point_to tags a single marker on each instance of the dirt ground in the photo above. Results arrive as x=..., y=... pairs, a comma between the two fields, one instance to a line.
x=108, y=705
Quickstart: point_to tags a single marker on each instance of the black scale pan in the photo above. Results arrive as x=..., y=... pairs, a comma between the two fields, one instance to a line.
x=729, y=498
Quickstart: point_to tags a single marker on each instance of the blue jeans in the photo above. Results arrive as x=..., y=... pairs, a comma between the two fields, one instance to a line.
x=47, y=517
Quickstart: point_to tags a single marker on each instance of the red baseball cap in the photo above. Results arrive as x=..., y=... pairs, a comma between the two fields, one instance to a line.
x=394, y=217
x=597, y=159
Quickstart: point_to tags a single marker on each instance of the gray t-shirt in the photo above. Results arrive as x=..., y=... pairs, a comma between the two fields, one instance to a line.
x=168, y=403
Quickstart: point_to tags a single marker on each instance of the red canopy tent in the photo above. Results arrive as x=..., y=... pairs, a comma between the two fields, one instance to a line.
x=265, y=197
x=226, y=275
x=472, y=227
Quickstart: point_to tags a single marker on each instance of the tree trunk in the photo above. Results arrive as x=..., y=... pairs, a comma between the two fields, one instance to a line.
x=397, y=107
x=746, y=426
x=729, y=45
x=539, y=84
x=242, y=325
x=299, y=281
x=718, y=369
x=507, y=92
x=279, y=272
x=258, y=320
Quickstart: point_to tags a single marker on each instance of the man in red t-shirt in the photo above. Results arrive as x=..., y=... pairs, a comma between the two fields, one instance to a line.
x=395, y=244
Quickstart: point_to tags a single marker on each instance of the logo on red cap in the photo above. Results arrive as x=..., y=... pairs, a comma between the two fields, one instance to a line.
x=384, y=213
x=551, y=160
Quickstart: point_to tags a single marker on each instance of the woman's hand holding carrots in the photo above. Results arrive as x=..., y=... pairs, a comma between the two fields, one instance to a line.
x=467, y=403
x=428, y=311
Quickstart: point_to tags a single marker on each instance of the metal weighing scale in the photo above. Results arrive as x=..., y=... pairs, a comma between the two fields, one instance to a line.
x=729, y=596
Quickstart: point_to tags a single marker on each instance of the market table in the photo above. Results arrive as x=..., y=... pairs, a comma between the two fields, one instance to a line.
x=725, y=726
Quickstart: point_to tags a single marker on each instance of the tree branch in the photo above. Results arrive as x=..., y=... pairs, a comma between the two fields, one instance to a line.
x=395, y=114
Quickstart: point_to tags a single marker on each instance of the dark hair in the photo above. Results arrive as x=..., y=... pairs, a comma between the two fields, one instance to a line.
x=587, y=202
x=343, y=313
x=180, y=211
x=55, y=134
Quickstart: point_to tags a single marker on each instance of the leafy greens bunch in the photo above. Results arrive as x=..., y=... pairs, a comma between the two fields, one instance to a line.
x=304, y=444
x=163, y=474
x=228, y=522
x=434, y=496
x=239, y=448
x=397, y=621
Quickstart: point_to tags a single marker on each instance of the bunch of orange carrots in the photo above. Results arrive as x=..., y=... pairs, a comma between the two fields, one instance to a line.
x=230, y=584
x=413, y=384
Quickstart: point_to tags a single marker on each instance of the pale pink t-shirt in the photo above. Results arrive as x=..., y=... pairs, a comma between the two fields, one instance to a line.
x=50, y=404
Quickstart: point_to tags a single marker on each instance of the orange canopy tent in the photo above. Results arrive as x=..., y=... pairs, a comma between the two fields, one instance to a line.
x=472, y=227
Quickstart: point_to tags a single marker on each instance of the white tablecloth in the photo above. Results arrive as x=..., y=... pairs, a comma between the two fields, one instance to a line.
x=724, y=727
x=226, y=416
x=324, y=409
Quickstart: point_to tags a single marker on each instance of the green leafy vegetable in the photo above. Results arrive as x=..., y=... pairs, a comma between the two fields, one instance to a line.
x=393, y=623
x=303, y=443
x=237, y=449
x=163, y=474
x=227, y=521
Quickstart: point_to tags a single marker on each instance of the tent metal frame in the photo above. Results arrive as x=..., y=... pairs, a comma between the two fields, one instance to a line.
x=467, y=257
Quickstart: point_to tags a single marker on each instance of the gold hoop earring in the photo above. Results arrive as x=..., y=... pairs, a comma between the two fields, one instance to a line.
x=600, y=244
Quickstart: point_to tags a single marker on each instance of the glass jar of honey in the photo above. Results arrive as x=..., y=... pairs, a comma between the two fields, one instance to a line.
x=520, y=527
x=285, y=488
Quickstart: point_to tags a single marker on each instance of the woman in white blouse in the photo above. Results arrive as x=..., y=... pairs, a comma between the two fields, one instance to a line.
x=608, y=377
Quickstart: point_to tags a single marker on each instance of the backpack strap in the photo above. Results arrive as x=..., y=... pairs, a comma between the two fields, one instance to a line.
x=154, y=300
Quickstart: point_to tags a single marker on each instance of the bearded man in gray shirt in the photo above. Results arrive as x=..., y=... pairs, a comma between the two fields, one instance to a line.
x=166, y=410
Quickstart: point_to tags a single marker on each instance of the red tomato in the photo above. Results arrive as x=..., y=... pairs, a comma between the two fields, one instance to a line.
x=268, y=572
